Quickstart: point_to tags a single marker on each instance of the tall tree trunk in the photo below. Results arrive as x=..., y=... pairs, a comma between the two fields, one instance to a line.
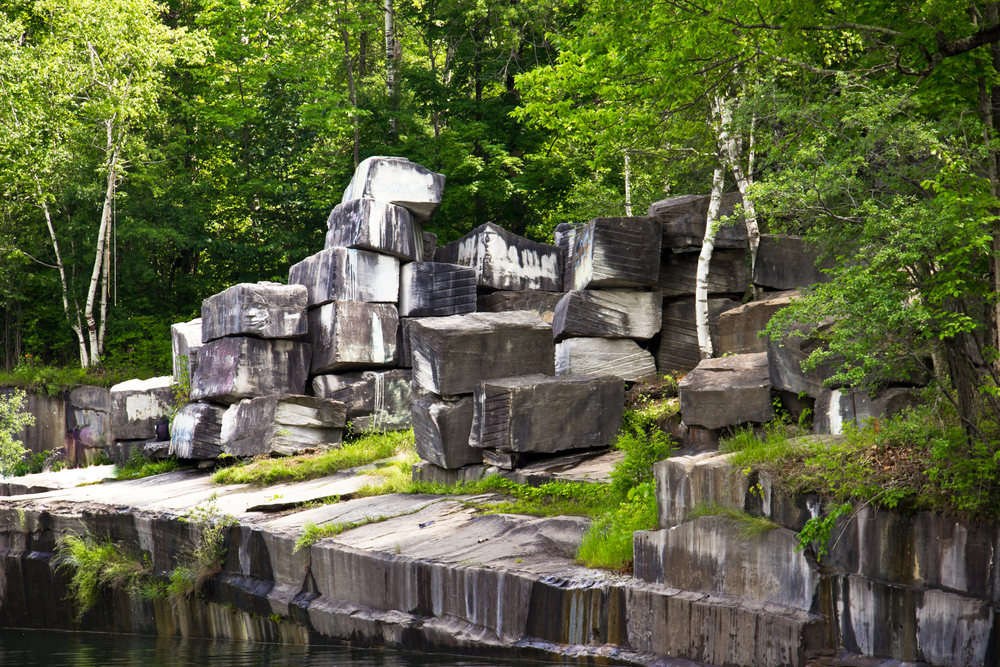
x=102, y=235
x=390, y=64
x=989, y=107
x=704, y=263
x=628, y=185
x=730, y=145
x=351, y=92
x=105, y=286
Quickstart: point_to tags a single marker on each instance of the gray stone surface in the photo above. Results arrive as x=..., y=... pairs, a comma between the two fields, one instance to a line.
x=505, y=261
x=738, y=328
x=346, y=335
x=441, y=431
x=620, y=357
x=265, y=310
x=282, y=425
x=677, y=345
x=452, y=354
x=231, y=369
x=836, y=408
x=49, y=430
x=436, y=289
x=375, y=399
x=504, y=461
x=197, y=432
x=88, y=421
x=616, y=252
x=564, y=238
x=544, y=414
x=430, y=246
x=44, y=482
x=542, y=304
x=608, y=314
x=347, y=274
x=87, y=397
x=367, y=224
x=425, y=471
x=185, y=341
x=785, y=357
x=404, y=354
x=137, y=405
x=398, y=181
x=728, y=273
x=787, y=262
x=727, y=391
x=684, y=218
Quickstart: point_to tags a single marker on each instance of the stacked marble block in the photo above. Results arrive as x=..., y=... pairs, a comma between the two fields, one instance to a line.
x=137, y=408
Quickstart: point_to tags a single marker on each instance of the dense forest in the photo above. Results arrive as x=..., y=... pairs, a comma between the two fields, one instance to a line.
x=153, y=154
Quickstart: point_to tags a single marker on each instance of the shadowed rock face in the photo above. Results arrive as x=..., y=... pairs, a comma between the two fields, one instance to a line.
x=349, y=336
x=615, y=252
x=282, y=425
x=377, y=400
x=542, y=304
x=266, y=310
x=436, y=289
x=367, y=224
x=231, y=369
x=137, y=405
x=396, y=180
x=727, y=392
x=608, y=314
x=677, y=344
x=728, y=273
x=441, y=431
x=738, y=328
x=197, y=432
x=787, y=263
x=684, y=218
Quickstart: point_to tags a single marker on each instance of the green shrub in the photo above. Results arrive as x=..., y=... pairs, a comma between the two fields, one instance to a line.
x=608, y=543
x=12, y=421
x=750, y=526
x=96, y=565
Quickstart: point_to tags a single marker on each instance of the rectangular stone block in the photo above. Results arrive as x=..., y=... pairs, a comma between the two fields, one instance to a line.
x=265, y=310
x=282, y=425
x=788, y=262
x=185, y=341
x=727, y=273
x=436, y=289
x=727, y=391
x=608, y=314
x=616, y=252
x=685, y=217
x=677, y=344
x=347, y=274
x=505, y=261
x=836, y=408
x=137, y=405
x=564, y=238
x=404, y=355
x=452, y=354
x=504, y=460
x=231, y=369
x=785, y=357
x=543, y=414
x=352, y=336
x=398, y=181
x=542, y=304
x=197, y=432
x=367, y=224
x=441, y=431
x=620, y=357
x=430, y=246
x=375, y=400
x=739, y=328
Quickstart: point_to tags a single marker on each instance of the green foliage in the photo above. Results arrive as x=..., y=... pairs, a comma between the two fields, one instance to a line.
x=313, y=533
x=643, y=443
x=12, y=421
x=96, y=565
x=750, y=526
x=771, y=449
x=817, y=530
x=34, y=463
x=138, y=467
x=608, y=542
x=205, y=560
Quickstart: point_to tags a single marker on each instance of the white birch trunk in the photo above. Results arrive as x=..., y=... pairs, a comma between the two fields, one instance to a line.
x=628, y=186
x=730, y=145
x=390, y=61
x=102, y=235
x=77, y=328
x=704, y=262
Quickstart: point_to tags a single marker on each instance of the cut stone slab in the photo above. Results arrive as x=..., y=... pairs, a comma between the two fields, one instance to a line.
x=343, y=488
x=677, y=344
x=684, y=219
x=282, y=425
x=727, y=391
x=727, y=273
x=51, y=481
x=505, y=261
x=616, y=252
x=185, y=341
x=137, y=405
x=374, y=399
x=197, y=432
x=88, y=397
x=404, y=355
x=346, y=335
x=787, y=262
x=620, y=357
x=564, y=238
x=398, y=181
x=265, y=310
x=542, y=304
x=231, y=369
x=608, y=314
x=835, y=408
x=366, y=224
x=430, y=246
x=441, y=431
x=738, y=328
x=436, y=289
x=505, y=461
x=544, y=414
x=452, y=354
x=785, y=357
x=347, y=274
x=425, y=471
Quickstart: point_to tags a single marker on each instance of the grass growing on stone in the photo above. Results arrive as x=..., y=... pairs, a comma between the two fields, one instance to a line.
x=95, y=565
x=362, y=450
x=313, y=533
x=749, y=525
x=137, y=468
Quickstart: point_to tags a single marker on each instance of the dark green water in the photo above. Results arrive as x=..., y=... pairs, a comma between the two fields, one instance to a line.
x=34, y=648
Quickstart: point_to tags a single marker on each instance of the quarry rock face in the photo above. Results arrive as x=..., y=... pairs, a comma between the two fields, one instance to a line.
x=727, y=391
x=836, y=408
x=346, y=274
x=787, y=262
x=441, y=431
x=185, y=341
x=265, y=310
x=378, y=400
x=505, y=261
x=564, y=237
x=616, y=252
x=608, y=314
x=542, y=304
x=368, y=224
x=684, y=218
x=727, y=274
x=231, y=369
x=396, y=180
x=137, y=405
x=430, y=246
x=283, y=425
x=620, y=357
x=785, y=357
x=436, y=289
x=346, y=335
x=677, y=344
x=738, y=328
x=197, y=432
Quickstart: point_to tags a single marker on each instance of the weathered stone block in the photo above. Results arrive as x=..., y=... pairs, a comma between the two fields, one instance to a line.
x=542, y=304
x=564, y=238
x=282, y=425
x=425, y=471
x=374, y=399
x=347, y=274
x=137, y=405
x=738, y=328
x=788, y=262
x=835, y=407
x=430, y=246
x=89, y=428
x=185, y=341
x=436, y=289
x=677, y=344
x=539, y=413
x=785, y=357
x=727, y=273
x=87, y=397
x=604, y=356
x=684, y=219
x=397, y=181
x=265, y=310
x=441, y=431
x=452, y=354
x=197, y=432
x=608, y=314
x=404, y=354
x=367, y=224
x=616, y=252
x=727, y=391
x=504, y=260
x=231, y=369
x=348, y=336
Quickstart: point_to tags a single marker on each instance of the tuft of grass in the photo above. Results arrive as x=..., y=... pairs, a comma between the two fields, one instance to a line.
x=550, y=499
x=95, y=565
x=396, y=477
x=368, y=448
x=313, y=533
x=608, y=542
x=137, y=468
x=772, y=449
x=750, y=526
